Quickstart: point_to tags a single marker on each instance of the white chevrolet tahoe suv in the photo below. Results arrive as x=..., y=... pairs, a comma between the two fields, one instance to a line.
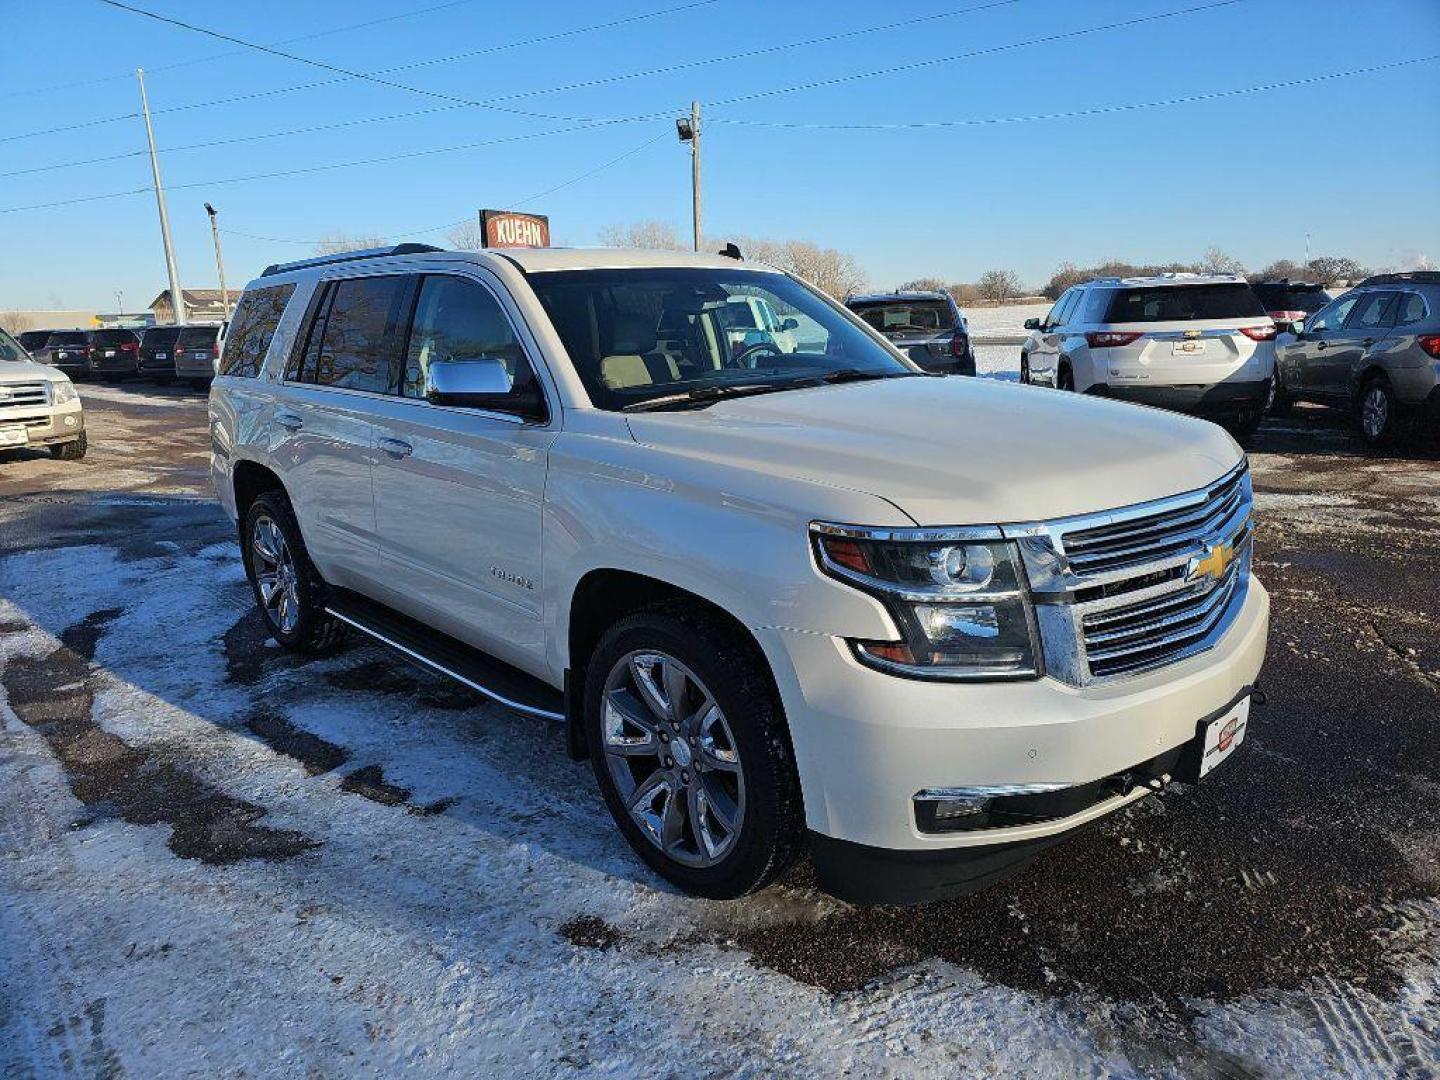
x=781, y=595
x=38, y=405
x=1195, y=343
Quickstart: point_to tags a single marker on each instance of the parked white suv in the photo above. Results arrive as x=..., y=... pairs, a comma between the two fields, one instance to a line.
x=38, y=405
x=777, y=597
x=1196, y=343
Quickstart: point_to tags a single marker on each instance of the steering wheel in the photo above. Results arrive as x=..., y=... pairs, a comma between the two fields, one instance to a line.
x=743, y=358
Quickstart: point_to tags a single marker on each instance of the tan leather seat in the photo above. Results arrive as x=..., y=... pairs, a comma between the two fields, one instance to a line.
x=635, y=361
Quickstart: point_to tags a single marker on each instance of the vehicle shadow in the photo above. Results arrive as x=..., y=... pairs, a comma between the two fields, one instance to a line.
x=1321, y=430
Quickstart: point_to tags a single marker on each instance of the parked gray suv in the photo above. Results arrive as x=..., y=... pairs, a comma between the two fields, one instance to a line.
x=928, y=327
x=1374, y=350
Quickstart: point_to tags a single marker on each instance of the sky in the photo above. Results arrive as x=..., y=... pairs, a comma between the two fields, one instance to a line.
x=1353, y=162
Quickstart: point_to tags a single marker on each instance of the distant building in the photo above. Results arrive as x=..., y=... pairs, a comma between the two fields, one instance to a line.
x=201, y=305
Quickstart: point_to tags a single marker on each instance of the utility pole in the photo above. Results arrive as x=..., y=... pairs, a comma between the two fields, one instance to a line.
x=1307, y=249
x=177, y=295
x=219, y=260
x=689, y=131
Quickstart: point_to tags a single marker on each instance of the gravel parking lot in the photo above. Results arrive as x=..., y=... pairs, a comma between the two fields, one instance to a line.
x=216, y=858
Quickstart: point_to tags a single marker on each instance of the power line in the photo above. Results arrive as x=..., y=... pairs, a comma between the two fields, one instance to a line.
x=584, y=84
x=363, y=76
x=916, y=65
x=220, y=56
x=1069, y=114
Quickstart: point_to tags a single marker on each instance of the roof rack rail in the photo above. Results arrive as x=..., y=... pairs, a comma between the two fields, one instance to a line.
x=348, y=256
x=1418, y=277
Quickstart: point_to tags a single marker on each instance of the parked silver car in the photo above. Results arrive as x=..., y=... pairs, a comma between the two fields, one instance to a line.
x=1374, y=350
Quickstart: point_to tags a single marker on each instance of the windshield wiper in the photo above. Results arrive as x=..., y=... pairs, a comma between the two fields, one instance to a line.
x=708, y=395
x=844, y=375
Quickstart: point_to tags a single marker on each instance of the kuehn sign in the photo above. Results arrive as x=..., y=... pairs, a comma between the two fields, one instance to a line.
x=507, y=228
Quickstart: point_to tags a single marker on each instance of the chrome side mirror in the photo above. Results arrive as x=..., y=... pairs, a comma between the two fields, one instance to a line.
x=448, y=380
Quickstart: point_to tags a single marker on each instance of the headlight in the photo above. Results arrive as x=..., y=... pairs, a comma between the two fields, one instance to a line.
x=61, y=391
x=958, y=596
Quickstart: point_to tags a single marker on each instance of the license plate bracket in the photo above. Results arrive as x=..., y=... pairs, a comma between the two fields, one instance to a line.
x=1216, y=739
x=14, y=435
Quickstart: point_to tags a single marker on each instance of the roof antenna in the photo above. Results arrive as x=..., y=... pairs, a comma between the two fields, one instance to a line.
x=730, y=251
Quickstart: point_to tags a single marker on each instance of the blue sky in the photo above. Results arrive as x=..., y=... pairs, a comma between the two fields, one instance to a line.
x=1354, y=161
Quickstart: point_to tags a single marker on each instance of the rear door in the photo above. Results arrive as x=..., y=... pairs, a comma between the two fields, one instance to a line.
x=1340, y=362
x=347, y=361
x=459, y=491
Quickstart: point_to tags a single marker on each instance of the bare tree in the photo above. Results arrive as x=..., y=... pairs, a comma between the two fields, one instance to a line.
x=924, y=284
x=828, y=269
x=651, y=235
x=1217, y=262
x=999, y=285
x=13, y=322
x=1331, y=268
x=1281, y=269
x=335, y=243
x=466, y=236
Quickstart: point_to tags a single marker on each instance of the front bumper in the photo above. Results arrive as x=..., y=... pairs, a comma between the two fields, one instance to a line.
x=867, y=742
x=1225, y=400
x=49, y=425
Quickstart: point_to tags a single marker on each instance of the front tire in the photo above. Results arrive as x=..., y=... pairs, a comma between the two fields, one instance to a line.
x=73, y=450
x=288, y=589
x=690, y=749
x=1376, y=412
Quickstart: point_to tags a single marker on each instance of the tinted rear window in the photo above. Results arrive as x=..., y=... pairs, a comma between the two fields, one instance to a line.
x=113, y=337
x=1278, y=297
x=253, y=325
x=160, y=339
x=900, y=316
x=76, y=337
x=1183, y=303
x=198, y=337
x=33, y=339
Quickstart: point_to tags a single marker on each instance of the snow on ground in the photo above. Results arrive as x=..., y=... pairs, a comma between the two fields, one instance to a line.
x=1002, y=325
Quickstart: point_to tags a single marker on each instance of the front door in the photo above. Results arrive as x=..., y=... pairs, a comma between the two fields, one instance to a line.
x=1305, y=358
x=459, y=491
x=1369, y=321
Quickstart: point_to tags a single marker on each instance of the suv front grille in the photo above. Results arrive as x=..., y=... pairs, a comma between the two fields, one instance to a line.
x=1154, y=537
x=23, y=395
x=1137, y=588
x=1135, y=637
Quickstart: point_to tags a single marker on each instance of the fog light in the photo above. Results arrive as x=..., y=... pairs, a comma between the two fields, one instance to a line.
x=965, y=809
x=69, y=421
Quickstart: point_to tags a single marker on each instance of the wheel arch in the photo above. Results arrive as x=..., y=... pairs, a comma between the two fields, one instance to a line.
x=601, y=598
x=249, y=479
x=1367, y=373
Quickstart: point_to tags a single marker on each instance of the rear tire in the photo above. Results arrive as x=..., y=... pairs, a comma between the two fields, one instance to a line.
x=1065, y=378
x=1245, y=425
x=712, y=778
x=1279, y=402
x=1376, y=413
x=288, y=589
x=73, y=450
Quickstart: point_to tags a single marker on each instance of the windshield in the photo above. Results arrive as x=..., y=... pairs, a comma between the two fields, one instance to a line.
x=904, y=316
x=1281, y=297
x=10, y=348
x=645, y=334
x=1184, y=303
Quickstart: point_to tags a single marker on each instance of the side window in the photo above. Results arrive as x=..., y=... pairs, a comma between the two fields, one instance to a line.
x=1332, y=316
x=1097, y=301
x=354, y=343
x=1057, y=313
x=1412, y=308
x=252, y=328
x=1373, y=312
x=459, y=321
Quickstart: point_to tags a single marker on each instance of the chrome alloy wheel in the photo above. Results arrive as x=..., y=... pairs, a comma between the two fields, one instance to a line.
x=1375, y=411
x=275, y=575
x=673, y=758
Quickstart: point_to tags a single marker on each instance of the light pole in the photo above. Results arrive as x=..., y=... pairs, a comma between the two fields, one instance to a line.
x=688, y=128
x=219, y=260
x=177, y=296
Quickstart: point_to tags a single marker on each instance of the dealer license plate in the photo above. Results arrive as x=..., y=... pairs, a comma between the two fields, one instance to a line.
x=162, y=356
x=1187, y=348
x=14, y=435
x=109, y=352
x=1223, y=734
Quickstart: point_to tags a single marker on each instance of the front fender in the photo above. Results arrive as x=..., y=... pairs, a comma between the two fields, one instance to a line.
x=737, y=538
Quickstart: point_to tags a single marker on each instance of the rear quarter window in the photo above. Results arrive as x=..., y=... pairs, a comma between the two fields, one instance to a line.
x=1183, y=303
x=252, y=328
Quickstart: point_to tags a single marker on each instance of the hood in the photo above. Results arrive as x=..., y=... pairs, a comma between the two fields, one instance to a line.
x=13, y=371
x=956, y=451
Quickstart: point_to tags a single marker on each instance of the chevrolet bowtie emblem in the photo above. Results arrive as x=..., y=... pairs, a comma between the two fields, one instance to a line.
x=1212, y=564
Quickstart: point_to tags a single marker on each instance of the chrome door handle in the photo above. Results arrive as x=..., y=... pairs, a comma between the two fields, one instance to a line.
x=289, y=421
x=396, y=448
